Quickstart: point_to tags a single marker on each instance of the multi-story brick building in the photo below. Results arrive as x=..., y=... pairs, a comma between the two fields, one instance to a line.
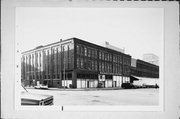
x=75, y=63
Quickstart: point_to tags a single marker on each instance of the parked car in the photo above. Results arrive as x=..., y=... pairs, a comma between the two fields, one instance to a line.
x=127, y=85
x=41, y=86
x=35, y=99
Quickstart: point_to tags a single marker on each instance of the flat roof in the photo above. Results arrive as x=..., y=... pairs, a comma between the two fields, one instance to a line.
x=77, y=39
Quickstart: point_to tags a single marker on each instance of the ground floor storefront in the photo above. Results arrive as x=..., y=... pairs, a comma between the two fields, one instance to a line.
x=115, y=81
x=81, y=79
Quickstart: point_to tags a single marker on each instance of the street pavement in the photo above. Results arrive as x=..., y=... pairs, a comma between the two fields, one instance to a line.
x=148, y=96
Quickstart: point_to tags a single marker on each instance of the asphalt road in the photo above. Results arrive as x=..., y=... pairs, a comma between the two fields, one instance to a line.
x=103, y=97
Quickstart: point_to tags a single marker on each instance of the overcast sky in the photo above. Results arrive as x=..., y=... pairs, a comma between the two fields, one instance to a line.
x=138, y=30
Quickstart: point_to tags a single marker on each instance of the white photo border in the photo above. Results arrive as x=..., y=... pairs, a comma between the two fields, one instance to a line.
x=159, y=107
x=171, y=63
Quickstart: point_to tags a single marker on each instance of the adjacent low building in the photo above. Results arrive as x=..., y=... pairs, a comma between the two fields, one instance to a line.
x=75, y=63
x=144, y=73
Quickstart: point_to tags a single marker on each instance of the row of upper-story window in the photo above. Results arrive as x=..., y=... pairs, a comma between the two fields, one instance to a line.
x=147, y=67
x=103, y=66
x=110, y=68
x=86, y=51
x=83, y=50
x=86, y=64
x=37, y=56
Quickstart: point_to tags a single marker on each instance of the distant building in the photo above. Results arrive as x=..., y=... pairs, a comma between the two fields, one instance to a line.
x=144, y=73
x=107, y=45
x=151, y=58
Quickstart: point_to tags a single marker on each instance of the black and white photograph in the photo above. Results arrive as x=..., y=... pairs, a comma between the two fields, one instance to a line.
x=95, y=59
x=90, y=56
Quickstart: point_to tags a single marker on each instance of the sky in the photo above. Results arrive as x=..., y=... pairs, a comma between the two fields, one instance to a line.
x=138, y=30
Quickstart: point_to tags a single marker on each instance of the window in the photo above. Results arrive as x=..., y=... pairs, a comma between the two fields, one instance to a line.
x=99, y=55
x=102, y=66
x=96, y=54
x=92, y=53
x=77, y=62
x=110, y=57
x=92, y=65
x=95, y=65
x=102, y=56
x=82, y=50
x=105, y=67
x=82, y=63
x=89, y=52
x=114, y=60
x=99, y=66
x=78, y=49
x=105, y=55
x=110, y=68
x=85, y=51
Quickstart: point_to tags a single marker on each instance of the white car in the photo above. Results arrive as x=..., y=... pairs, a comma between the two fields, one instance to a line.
x=35, y=99
x=41, y=86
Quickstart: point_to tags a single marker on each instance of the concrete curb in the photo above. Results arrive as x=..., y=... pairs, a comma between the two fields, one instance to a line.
x=83, y=89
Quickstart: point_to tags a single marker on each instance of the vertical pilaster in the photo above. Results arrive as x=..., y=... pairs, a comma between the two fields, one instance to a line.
x=74, y=79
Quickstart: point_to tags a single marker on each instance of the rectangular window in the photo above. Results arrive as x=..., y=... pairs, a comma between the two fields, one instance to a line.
x=110, y=57
x=100, y=66
x=85, y=51
x=120, y=59
x=99, y=54
x=77, y=62
x=82, y=50
x=110, y=68
x=89, y=52
x=96, y=65
x=114, y=58
x=92, y=53
x=107, y=57
x=102, y=56
x=95, y=54
x=78, y=49
x=82, y=63
x=92, y=65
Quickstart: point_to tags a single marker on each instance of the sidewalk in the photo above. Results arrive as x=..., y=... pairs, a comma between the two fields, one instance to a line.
x=79, y=89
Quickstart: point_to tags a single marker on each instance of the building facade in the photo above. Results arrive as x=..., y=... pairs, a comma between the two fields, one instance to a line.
x=141, y=68
x=76, y=64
